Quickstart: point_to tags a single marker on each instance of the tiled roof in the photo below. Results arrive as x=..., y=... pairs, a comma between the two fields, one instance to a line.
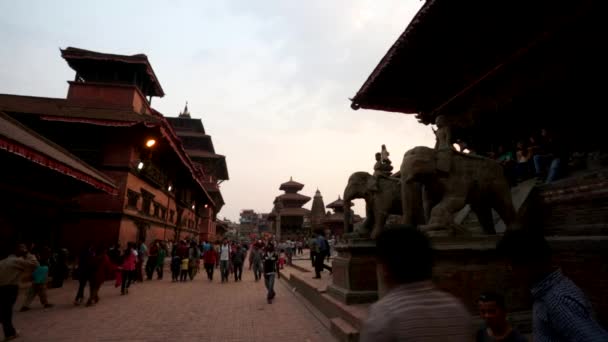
x=296, y=197
x=75, y=57
x=294, y=212
x=53, y=107
x=204, y=154
x=291, y=184
x=48, y=154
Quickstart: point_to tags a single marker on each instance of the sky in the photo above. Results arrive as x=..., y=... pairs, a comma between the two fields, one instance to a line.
x=270, y=79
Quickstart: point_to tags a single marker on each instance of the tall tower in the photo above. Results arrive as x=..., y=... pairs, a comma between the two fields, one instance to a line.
x=317, y=212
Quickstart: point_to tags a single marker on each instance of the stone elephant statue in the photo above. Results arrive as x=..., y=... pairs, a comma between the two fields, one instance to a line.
x=382, y=197
x=473, y=180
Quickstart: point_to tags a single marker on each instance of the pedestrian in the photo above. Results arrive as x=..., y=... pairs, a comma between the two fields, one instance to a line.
x=12, y=269
x=322, y=251
x=40, y=278
x=209, y=261
x=313, y=247
x=255, y=261
x=142, y=252
x=60, y=268
x=128, y=268
x=270, y=265
x=176, y=263
x=224, y=260
x=152, y=260
x=101, y=268
x=238, y=258
x=83, y=272
x=413, y=309
x=160, y=260
x=560, y=310
x=194, y=259
x=185, y=263
x=493, y=311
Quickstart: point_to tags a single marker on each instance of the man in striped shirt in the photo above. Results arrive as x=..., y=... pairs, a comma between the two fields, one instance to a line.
x=413, y=309
x=560, y=311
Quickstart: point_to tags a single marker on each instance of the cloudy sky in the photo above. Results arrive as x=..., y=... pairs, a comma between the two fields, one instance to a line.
x=270, y=79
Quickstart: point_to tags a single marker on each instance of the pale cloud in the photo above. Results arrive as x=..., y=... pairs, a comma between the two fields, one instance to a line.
x=270, y=79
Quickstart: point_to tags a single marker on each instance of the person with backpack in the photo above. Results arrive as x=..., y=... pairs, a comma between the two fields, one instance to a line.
x=321, y=253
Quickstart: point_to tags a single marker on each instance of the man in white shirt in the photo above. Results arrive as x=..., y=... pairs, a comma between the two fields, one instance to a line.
x=224, y=260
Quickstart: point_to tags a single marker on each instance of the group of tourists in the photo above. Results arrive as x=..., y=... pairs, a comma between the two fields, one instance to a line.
x=128, y=266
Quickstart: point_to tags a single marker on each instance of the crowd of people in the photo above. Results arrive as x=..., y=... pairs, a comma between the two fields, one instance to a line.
x=135, y=263
x=415, y=309
x=541, y=155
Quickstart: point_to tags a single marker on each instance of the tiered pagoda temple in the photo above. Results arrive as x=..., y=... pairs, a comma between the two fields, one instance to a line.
x=210, y=167
x=142, y=184
x=288, y=217
x=334, y=222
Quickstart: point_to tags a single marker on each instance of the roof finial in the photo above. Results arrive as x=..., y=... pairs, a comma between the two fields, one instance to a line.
x=290, y=178
x=185, y=113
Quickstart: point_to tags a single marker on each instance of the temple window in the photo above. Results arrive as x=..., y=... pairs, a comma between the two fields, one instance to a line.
x=132, y=198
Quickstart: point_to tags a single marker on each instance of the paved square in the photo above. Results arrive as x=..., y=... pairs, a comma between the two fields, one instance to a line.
x=160, y=310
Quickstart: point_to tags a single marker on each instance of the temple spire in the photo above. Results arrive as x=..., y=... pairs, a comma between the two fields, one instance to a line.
x=185, y=113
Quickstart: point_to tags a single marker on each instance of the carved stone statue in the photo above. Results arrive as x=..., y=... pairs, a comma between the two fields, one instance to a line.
x=381, y=168
x=443, y=143
x=472, y=180
x=380, y=201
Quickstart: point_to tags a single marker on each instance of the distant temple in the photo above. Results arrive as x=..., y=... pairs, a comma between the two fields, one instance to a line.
x=317, y=212
x=211, y=167
x=288, y=218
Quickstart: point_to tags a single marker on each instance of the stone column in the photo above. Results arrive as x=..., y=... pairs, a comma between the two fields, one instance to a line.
x=354, y=274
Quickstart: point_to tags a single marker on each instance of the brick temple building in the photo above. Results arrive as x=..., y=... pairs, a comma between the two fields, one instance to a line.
x=289, y=219
x=141, y=183
x=497, y=83
x=210, y=167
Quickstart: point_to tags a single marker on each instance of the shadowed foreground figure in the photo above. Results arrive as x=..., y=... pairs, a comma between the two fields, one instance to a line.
x=561, y=311
x=413, y=309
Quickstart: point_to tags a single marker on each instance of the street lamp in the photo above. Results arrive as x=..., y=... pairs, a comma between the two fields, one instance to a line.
x=150, y=143
x=140, y=165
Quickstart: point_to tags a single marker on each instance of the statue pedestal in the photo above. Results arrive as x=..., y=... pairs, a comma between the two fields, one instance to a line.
x=354, y=272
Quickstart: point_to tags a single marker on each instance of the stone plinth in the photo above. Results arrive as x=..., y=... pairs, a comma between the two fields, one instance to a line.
x=354, y=272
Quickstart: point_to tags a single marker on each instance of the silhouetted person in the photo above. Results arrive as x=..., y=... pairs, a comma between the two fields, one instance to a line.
x=493, y=311
x=413, y=308
x=561, y=312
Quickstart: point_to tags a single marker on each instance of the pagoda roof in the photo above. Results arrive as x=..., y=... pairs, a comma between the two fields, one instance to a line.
x=22, y=141
x=86, y=62
x=184, y=124
x=294, y=212
x=204, y=154
x=53, y=107
x=294, y=197
x=450, y=47
x=337, y=204
x=291, y=185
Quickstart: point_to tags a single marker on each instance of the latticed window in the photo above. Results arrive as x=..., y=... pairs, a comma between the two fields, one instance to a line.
x=156, y=210
x=132, y=198
x=146, y=201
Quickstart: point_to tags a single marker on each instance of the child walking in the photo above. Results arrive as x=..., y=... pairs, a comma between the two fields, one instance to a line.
x=185, y=265
x=39, y=283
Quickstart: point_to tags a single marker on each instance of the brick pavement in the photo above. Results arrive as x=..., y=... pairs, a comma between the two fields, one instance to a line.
x=166, y=311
